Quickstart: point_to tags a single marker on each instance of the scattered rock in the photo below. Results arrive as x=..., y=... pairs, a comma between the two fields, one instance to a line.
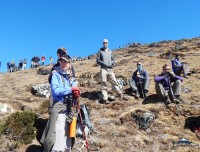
x=41, y=90
x=43, y=71
x=4, y=109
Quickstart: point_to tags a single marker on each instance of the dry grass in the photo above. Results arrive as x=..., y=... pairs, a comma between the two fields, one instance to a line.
x=115, y=128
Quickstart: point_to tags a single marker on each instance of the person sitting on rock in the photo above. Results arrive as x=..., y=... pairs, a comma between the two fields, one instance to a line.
x=179, y=67
x=106, y=60
x=139, y=82
x=55, y=136
x=168, y=86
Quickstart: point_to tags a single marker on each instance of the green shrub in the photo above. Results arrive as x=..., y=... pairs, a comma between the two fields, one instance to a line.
x=19, y=127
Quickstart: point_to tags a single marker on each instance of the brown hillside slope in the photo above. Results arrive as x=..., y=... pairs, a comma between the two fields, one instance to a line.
x=115, y=129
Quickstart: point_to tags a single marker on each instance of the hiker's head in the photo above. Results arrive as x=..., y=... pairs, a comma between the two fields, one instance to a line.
x=177, y=56
x=61, y=52
x=166, y=68
x=139, y=66
x=64, y=62
x=105, y=43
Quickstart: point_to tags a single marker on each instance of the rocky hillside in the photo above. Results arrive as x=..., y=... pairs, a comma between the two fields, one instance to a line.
x=115, y=127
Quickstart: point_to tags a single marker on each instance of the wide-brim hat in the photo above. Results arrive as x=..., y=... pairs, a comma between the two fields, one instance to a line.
x=65, y=57
x=61, y=51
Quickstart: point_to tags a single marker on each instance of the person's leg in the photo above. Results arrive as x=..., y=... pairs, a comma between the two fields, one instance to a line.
x=176, y=87
x=179, y=71
x=161, y=92
x=146, y=85
x=113, y=82
x=185, y=70
x=133, y=86
x=61, y=136
x=115, y=85
x=103, y=84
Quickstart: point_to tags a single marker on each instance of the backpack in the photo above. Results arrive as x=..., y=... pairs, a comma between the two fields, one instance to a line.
x=86, y=122
x=121, y=83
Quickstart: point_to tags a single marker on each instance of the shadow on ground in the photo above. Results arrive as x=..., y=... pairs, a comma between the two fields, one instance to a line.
x=34, y=148
x=151, y=99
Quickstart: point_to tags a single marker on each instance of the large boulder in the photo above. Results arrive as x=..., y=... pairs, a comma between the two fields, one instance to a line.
x=41, y=90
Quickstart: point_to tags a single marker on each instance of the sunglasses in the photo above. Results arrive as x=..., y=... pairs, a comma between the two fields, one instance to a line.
x=105, y=42
x=167, y=69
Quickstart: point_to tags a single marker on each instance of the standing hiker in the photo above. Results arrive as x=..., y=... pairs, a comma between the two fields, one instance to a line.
x=51, y=60
x=55, y=136
x=179, y=67
x=168, y=86
x=43, y=59
x=106, y=60
x=139, y=82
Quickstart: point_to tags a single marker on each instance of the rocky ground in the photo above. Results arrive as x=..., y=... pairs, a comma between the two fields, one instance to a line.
x=115, y=128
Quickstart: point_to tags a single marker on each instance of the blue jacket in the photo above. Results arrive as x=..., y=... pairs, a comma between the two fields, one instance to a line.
x=59, y=88
x=144, y=75
x=175, y=65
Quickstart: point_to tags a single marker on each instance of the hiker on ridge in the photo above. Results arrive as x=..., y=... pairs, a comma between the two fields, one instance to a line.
x=179, y=67
x=51, y=60
x=164, y=82
x=55, y=136
x=43, y=59
x=24, y=64
x=139, y=82
x=106, y=60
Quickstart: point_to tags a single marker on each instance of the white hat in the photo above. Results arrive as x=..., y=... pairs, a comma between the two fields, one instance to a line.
x=105, y=40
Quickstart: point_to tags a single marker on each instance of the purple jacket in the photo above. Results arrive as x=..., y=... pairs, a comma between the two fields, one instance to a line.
x=164, y=80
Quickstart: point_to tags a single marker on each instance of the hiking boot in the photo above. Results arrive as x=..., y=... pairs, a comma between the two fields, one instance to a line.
x=122, y=97
x=178, y=99
x=185, y=76
x=106, y=102
x=197, y=132
x=135, y=95
x=167, y=100
x=111, y=97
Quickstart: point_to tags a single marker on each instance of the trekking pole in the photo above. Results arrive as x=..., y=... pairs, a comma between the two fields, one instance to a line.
x=83, y=128
x=170, y=90
x=143, y=93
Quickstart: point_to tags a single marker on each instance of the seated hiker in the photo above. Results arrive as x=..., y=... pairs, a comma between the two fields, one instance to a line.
x=179, y=67
x=139, y=82
x=55, y=136
x=163, y=86
x=106, y=60
x=61, y=52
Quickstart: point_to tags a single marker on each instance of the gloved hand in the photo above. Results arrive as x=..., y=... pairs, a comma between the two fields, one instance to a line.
x=76, y=92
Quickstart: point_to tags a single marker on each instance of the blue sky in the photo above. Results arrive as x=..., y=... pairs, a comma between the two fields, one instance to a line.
x=37, y=27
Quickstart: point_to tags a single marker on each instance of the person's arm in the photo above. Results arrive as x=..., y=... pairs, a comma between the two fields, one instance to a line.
x=112, y=60
x=58, y=88
x=159, y=78
x=145, y=76
x=179, y=77
x=175, y=65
